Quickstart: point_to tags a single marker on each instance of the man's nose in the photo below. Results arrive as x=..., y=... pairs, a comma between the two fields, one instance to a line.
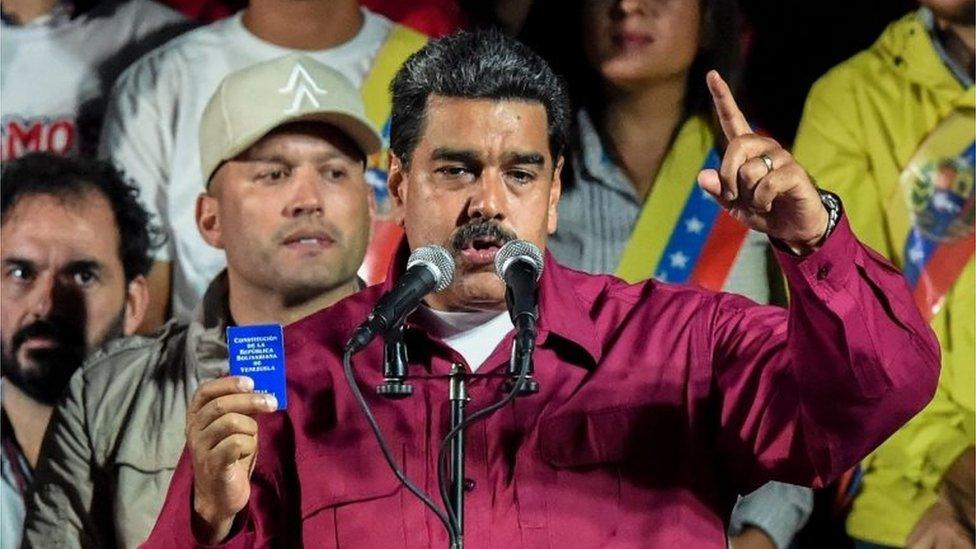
x=42, y=296
x=305, y=193
x=489, y=197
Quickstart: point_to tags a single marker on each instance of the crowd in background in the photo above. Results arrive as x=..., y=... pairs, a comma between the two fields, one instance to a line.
x=106, y=108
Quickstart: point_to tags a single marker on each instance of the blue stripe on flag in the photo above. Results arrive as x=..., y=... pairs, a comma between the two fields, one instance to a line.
x=688, y=237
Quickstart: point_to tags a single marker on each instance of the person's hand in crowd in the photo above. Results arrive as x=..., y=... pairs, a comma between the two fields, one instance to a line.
x=760, y=183
x=751, y=537
x=939, y=528
x=221, y=434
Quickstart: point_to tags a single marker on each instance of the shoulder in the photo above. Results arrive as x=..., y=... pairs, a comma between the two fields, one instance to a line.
x=874, y=67
x=330, y=328
x=613, y=303
x=173, y=61
x=147, y=13
x=126, y=362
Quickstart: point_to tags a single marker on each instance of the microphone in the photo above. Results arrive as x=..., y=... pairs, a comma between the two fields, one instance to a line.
x=429, y=269
x=519, y=264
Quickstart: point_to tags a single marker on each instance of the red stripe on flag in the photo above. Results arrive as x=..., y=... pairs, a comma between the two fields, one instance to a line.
x=719, y=252
x=379, y=254
x=940, y=272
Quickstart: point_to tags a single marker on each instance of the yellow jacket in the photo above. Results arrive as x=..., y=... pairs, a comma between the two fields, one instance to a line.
x=863, y=122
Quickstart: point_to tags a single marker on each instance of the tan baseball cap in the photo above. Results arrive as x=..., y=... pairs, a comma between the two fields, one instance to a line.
x=251, y=102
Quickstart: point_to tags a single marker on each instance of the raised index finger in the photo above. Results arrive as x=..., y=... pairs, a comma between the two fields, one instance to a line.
x=729, y=116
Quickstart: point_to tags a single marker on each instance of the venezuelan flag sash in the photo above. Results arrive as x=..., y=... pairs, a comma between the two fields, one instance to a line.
x=703, y=240
x=938, y=188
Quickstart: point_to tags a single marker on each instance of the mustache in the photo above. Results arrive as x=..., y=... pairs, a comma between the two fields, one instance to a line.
x=57, y=331
x=480, y=228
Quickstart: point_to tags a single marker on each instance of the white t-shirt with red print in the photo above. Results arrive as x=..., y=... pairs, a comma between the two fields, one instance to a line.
x=56, y=72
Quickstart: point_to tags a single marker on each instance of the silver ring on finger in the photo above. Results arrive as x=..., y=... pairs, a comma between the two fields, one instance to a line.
x=767, y=161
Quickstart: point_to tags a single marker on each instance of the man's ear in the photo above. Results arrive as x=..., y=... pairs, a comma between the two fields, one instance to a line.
x=396, y=183
x=136, y=304
x=208, y=220
x=555, y=191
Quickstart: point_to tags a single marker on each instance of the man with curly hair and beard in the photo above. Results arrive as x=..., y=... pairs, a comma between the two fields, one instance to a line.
x=75, y=254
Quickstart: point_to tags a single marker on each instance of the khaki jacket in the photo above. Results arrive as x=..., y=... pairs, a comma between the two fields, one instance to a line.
x=114, y=442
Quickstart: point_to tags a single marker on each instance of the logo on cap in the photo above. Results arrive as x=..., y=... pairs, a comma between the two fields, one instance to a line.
x=303, y=86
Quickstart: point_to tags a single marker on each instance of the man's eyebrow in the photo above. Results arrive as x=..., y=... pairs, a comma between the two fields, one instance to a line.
x=524, y=158
x=83, y=264
x=17, y=262
x=456, y=155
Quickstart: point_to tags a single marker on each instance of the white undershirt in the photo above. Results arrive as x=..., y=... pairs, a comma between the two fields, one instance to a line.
x=474, y=335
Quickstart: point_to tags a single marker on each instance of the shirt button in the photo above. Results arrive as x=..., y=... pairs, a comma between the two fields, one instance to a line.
x=469, y=484
x=823, y=271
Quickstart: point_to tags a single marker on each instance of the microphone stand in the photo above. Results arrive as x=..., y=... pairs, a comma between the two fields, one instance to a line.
x=458, y=396
x=520, y=383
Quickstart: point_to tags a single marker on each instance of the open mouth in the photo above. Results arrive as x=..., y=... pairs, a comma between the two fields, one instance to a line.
x=481, y=249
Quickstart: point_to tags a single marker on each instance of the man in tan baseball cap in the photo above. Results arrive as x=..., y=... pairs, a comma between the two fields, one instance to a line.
x=283, y=149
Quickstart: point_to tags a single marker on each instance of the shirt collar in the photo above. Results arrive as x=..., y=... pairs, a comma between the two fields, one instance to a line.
x=928, y=21
x=561, y=312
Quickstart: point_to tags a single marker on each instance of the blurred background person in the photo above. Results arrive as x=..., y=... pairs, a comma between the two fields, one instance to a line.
x=631, y=204
x=75, y=251
x=431, y=17
x=58, y=61
x=287, y=203
x=892, y=131
x=152, y=125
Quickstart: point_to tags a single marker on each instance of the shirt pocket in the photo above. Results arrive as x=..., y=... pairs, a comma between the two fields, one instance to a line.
x=576, y=472
x=351, y=498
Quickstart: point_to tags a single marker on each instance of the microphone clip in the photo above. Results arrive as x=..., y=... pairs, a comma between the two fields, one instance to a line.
x=395, y=369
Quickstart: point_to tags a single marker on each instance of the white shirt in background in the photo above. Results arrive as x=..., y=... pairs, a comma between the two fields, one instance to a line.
x=56, y=72
x=152, y=129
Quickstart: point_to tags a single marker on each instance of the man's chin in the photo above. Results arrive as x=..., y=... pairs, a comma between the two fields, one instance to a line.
x=43, y=373
x=476, y=292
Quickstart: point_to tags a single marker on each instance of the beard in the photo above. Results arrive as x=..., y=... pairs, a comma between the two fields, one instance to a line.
x=45, y=373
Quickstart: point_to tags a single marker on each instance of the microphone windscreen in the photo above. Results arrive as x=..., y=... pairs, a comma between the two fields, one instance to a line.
x=438, y=260
x=518, y=250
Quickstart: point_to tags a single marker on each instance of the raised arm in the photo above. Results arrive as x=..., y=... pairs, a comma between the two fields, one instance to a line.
x=806, y=394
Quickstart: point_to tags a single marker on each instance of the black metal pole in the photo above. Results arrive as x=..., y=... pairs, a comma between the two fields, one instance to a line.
x=459, y=399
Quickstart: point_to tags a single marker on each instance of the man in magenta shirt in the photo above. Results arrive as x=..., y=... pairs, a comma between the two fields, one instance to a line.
x=658, y=403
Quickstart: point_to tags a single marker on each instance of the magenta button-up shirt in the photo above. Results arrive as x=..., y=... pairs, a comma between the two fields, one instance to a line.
x=658, y=404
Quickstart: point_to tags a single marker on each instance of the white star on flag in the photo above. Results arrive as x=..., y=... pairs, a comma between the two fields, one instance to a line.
x=694, y=225
x=662, y=276
x=306, y=88
x=916, y=253
x=678, y=260
x=942, y=203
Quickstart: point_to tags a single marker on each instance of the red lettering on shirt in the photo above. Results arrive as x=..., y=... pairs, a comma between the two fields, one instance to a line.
x=21, y=136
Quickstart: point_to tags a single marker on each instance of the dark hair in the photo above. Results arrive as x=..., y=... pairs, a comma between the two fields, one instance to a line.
x=66, y=178
x=477, y=65
x=554, y=28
